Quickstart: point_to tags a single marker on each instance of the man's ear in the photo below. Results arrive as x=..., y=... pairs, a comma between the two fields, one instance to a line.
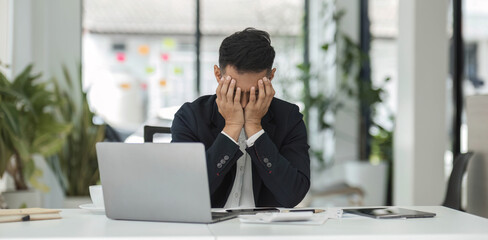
x=271, y=75
x=217, y=73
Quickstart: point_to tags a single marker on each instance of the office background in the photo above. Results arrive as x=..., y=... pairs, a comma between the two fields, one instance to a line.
x=391, y=142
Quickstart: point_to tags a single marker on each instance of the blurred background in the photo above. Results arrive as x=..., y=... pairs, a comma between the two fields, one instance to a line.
x=382, y=85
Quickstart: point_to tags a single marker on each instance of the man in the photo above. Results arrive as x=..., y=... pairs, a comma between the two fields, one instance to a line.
x=256, y=145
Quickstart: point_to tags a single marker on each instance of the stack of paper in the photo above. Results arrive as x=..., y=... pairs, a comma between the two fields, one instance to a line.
x=293, y=216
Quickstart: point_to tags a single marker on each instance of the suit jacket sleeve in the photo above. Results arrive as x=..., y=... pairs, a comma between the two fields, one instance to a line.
x=221, y=155
x=284, y=171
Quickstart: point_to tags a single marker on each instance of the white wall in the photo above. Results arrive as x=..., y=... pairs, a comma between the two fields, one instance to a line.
x=477, y=171
x=347, y=119
x=21, y=35
x=46, y=33
x=5, y=41
x=420, y=133
x=340, y=145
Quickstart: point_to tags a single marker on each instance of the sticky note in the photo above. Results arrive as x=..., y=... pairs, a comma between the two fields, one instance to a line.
x=143, y=49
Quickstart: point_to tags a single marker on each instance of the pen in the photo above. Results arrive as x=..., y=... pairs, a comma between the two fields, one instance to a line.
x=303, y=210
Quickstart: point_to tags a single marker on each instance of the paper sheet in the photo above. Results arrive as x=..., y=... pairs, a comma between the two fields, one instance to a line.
x=302, y=218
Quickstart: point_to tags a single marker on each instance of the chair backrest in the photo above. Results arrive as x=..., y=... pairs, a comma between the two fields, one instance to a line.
x=454, y=185
x=111, y=135
x=149, y=132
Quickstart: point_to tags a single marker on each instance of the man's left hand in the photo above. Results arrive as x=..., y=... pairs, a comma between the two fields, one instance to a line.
x=258, y=106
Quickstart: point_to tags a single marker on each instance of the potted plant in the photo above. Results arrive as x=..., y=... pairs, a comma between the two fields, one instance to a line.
x=320, y=108
x=28, y=127
x=77, y=161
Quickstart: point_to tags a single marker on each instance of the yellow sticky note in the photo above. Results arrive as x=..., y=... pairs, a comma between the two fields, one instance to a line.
x=178, y=70
x=168, y=43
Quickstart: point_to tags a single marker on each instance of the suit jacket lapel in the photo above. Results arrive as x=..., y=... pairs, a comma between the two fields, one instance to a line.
x=267, y=123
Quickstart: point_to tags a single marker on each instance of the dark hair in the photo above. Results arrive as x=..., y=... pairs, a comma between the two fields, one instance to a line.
x=249, y=50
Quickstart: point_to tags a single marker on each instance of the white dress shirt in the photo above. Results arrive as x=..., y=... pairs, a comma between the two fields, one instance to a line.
x=242, y=195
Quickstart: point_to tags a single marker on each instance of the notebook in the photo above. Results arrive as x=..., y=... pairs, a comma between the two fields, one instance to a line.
x=28, y=214
x=156, y=182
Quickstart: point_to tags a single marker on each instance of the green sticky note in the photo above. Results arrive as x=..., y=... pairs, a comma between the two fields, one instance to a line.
x=168, y=43
x=178, y=70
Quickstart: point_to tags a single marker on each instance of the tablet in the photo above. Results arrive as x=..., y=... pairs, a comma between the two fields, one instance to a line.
x=389, y=212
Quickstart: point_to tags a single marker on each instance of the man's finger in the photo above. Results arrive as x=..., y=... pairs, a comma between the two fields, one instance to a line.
x=252, y=95
x=237, y=98
x=219, y=87
x=269, y=90
x=262, y=93
x=225, y=86
x=230, y=91
x=268, y=87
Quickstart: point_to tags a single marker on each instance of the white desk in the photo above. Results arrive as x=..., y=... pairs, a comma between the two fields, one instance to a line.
x=79, y=223
x=448, y=224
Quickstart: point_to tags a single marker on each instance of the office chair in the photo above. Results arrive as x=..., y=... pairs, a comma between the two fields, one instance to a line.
x=454, y=185
x=111, y=135
x=149, y=132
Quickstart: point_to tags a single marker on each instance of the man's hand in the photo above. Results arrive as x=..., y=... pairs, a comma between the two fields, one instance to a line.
x=258, y=106
x=230, y=106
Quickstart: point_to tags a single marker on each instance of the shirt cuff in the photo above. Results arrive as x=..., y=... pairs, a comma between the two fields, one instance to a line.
x=225, y=134
x=250, y=141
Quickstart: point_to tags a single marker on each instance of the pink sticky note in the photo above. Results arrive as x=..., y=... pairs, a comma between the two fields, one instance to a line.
x=165, y=56
x=144, y=86
x=120, y=57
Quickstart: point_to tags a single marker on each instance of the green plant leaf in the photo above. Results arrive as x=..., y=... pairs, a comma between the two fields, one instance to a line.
x=5, y=154
x=325, y=47
x=29, y=167
x=34, y=177
x=29, y=121
x=10, y=117
x=4, y=82
x=77, y=158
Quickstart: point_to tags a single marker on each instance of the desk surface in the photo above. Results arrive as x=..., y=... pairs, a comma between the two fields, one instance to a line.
x=77, y=223
x=448, y=224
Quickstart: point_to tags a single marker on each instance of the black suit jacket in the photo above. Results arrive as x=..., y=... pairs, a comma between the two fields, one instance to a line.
x=280, y=160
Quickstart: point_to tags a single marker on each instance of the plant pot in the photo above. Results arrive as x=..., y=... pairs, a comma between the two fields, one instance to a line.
x=75, y=202
x=371, y=178
x=340, y=185
x=23, y=198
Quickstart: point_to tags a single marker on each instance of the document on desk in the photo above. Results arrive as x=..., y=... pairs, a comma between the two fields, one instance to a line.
x=305, y=218
x=293, y=216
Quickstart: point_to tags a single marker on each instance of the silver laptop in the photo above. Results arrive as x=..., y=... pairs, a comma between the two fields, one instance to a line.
x=156, y=182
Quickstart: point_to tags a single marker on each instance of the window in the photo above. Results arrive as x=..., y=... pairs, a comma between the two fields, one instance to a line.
x=139, y=56
x=383, y=16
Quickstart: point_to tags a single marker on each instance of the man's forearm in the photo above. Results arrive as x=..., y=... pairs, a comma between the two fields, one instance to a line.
x=252, y=129
x=233, y=131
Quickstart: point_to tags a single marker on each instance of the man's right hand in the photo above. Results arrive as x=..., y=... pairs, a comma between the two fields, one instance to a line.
x=230, y=107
